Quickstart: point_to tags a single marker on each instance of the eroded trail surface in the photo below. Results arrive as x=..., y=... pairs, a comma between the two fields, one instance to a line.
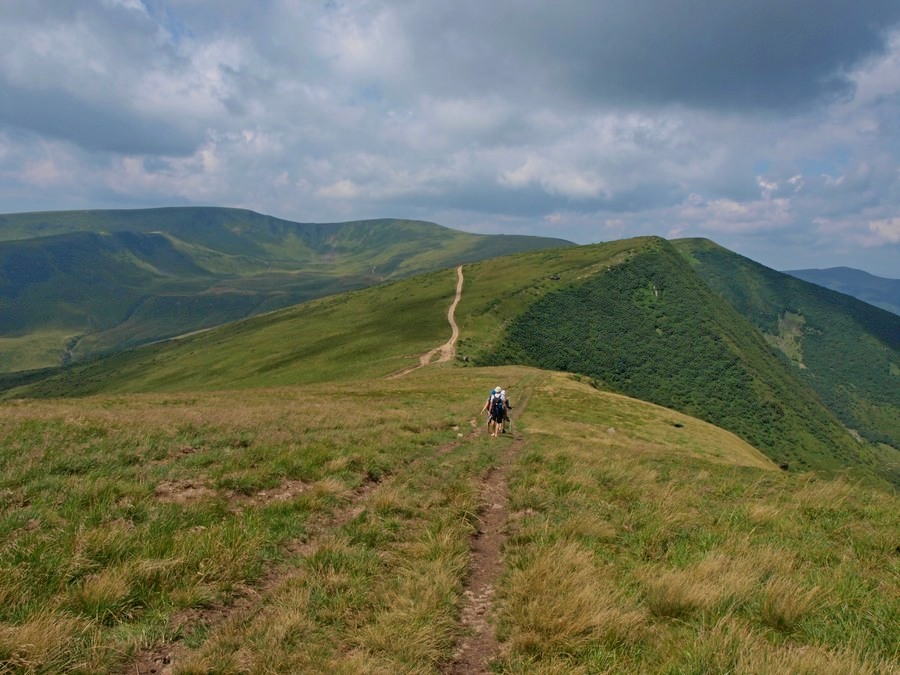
x=242, y=628
x=447, y=351
x=480, y=646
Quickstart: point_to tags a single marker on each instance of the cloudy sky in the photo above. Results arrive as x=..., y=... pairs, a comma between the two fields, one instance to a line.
x=770, y=126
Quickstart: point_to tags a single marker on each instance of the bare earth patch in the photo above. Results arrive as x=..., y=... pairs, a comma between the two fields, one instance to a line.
x=285, y=492
x=182, y=491
x=191, y=490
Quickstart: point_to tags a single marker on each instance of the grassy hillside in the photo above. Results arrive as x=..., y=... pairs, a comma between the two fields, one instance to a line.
x=631, y=315
x=335, y=527
x=371, y=332
x=878, y=291
x=644, y=324
x=79, y=283
x=273, y=502
x=368, y=333
x=235, y=240
x=846, y=350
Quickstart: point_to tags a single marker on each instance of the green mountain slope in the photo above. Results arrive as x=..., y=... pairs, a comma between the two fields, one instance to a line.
x=632, y=315
x=360, y=334
x=69, y=279
x=79, y=283
x=846, y=350
x=649, y=327
x=878, y=291
x=350, y=521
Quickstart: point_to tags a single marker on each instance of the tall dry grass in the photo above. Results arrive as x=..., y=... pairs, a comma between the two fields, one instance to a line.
x=716, y=567
x=561, y=602
x=122, y=512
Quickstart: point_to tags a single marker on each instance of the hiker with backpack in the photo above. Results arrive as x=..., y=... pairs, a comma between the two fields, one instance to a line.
x=496, y=409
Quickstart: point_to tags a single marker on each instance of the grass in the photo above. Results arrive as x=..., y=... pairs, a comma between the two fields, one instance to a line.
x=631, y=553
x=316, y=516
x=35, y=350
x=499, y=290
x=340, y=338
x=91, y=537
x=640, y=539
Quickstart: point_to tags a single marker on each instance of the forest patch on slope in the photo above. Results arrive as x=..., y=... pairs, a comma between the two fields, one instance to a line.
x=650, y=328
x=850, y=351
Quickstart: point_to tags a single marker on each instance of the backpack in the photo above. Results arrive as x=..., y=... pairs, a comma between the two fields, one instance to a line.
x=497, y=410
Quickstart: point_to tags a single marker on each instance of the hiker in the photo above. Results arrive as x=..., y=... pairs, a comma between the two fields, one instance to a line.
x=495, y=408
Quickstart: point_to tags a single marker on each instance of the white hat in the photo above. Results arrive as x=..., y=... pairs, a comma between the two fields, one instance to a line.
x=497, y=388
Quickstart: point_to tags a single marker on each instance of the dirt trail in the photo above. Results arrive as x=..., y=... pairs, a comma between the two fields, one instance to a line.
x=475, y=652
x=447, y=350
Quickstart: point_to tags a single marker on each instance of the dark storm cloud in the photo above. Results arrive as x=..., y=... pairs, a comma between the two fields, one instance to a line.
x=708, y=53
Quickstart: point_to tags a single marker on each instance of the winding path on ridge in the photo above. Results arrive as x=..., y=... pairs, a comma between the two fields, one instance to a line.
x=447, y=350
x=477, y=648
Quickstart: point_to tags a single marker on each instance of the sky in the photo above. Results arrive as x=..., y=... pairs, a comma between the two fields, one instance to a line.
x=769, y=126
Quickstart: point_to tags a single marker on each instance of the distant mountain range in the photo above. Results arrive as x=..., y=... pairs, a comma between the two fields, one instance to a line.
x=74, y=284
x=878, y=291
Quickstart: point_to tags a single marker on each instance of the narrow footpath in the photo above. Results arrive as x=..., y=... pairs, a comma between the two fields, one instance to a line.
x=447, y=350
x=480, y=646
x=163, y=658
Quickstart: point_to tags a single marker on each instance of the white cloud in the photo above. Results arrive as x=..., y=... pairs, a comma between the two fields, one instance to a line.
x=888, y=231
x=735, y=217
x=197, y=85
x=342, y=189
x=363, y=42
x=132, y=5
x=522, y=176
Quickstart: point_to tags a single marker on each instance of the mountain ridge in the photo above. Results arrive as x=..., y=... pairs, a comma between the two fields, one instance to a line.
x=651, y=328
x=80, y=283
x=847, y=350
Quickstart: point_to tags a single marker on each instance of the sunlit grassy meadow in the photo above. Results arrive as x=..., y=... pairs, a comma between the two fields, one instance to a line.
x=116, y=513
x=265, y=498
x=632, y=550
x=326, y=528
